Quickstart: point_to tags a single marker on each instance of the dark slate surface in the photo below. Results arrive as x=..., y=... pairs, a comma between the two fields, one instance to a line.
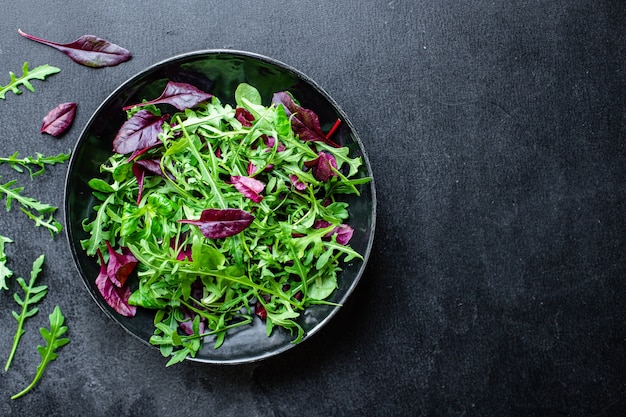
x=496, y=131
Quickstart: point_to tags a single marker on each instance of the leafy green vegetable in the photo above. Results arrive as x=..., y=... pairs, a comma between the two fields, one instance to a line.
x=217, y=167
x=37, y=73
x=34, y=209
x=32, y=295
x=5, y=272
x=40, y=161
x=47, y=352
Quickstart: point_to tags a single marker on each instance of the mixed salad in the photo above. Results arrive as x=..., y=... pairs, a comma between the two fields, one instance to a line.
x=217, y=213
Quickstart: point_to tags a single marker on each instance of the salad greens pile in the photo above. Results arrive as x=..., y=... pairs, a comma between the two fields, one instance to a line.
x=217, y=213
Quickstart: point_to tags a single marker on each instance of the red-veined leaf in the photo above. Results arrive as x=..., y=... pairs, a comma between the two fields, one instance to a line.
x=120, y=265
x=139, y=133
x=59, y=119
x=116, y=297
x=249, y=187
x=322, y=166
x=88, y=50
x=218, y=223
x=305, y=123
x=180, y=95
x=244, y=116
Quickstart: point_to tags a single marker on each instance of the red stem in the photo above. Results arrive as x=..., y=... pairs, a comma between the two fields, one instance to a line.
x=333, y=129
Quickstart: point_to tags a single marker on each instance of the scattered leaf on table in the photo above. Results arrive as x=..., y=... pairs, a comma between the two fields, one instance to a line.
x=59, y=119
x=88, y=50
x=37, y=73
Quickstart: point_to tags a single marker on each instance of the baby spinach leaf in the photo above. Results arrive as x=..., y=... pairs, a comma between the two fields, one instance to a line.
x=88, y=50
x=37, y=73
x=59, y=119
x=47, y=352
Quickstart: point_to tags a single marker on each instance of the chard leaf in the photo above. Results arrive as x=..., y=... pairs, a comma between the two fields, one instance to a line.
x=59, y=119
x=139, y=133
x=120, y=265
x=180, y=95
x=116, y=297
x=219, y=223
x=47, y=352
x=305, y=122
x=249, y=187
x=322, y=166
x=88, y=50
x=37, y=73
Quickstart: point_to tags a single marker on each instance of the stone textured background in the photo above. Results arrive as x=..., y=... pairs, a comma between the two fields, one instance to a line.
x=496, y=131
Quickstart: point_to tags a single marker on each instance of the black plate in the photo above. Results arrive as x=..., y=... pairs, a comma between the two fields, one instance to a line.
x=218, y=72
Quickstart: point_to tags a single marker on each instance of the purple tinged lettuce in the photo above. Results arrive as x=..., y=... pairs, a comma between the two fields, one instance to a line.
x=139, y=133
x=88, y=50
x=142, y=167
x=322, y=166
x=270, y=141
x=219, y=223
x=116, y=296
x=249, y=187
x=59, y=119
x=343, y=231
x=244, y=116
x=300, y=185
x=180, y=95
x=305, y=123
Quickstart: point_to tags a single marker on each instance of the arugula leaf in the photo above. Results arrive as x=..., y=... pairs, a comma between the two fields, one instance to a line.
x=31, y=205
x=39, y=160
x=5, y=272
x=37, y=73
x=32, y=295
x=47, y=352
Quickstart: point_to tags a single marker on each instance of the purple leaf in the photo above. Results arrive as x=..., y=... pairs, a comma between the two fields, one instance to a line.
x=270, y=141
x=244, y=116
x=216, y=223
x=305, y=122
x=59, y=119
x=142, y=167
x=300, y=185
x=322, y=166
x=343, y=231
x=139, y=133
x=88, y=50
x=120, y=265
x=249, y=187
x=180, y=95
x=116, y=297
